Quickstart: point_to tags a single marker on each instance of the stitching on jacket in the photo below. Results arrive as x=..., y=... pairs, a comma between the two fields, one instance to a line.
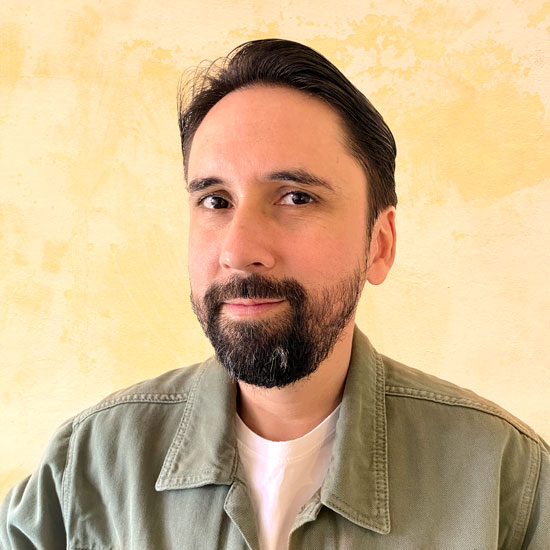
x=381, y=437
x=402, y=391
x=158, y=398
x=235, y=464
x=379, y=449
x=526, y=501
x=358, y=517
x=203, y=476
x=182, y=428
x=63, y=503
x=66, y=479
x=66, y=483
x=529, y=488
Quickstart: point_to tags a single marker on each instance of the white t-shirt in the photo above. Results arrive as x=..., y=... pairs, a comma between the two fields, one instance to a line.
x=283, y=475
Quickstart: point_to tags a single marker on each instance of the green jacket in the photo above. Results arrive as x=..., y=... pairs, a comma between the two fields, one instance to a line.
x=417, y=464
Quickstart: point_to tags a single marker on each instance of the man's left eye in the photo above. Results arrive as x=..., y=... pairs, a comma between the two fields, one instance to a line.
x=297, y=198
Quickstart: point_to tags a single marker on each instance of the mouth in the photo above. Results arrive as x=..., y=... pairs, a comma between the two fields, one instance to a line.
x=251, y=307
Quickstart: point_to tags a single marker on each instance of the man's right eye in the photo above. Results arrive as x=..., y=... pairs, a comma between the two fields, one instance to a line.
x=214, y=202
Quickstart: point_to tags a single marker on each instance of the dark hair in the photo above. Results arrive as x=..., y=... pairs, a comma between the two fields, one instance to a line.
x=286, y=63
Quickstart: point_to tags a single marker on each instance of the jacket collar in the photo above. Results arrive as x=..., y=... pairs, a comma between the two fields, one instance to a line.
x=204, y=449
x=356, y=485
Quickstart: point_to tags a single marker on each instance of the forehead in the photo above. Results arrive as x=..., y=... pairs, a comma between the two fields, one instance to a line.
x=276, y=126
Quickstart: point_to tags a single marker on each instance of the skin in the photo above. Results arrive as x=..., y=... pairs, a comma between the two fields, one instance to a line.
x=252, y=210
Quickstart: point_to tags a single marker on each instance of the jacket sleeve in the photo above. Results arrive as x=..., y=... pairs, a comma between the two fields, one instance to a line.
x=31, y=516
x=537, y=536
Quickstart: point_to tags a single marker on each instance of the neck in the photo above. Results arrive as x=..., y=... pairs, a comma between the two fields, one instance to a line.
x=281, y=414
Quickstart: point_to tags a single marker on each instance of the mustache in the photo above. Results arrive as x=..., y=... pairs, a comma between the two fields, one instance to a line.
x=254, y=286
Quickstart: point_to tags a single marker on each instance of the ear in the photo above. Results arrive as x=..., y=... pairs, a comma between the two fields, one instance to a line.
x=381, y=247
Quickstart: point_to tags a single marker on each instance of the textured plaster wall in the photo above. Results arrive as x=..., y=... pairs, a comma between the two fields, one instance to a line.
x=93, y=274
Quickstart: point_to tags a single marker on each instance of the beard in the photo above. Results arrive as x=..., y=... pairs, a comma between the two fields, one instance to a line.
x=286, y=347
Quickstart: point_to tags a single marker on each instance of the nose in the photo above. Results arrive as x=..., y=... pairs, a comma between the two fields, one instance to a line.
x=248, y=242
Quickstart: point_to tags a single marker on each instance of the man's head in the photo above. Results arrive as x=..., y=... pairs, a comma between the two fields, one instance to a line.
x=278, y=247
x=286, y=63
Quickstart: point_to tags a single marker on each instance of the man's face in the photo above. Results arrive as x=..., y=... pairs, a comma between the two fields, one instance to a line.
x=278, y=238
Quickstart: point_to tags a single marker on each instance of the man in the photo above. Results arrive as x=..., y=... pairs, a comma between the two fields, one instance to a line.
x=298, y=434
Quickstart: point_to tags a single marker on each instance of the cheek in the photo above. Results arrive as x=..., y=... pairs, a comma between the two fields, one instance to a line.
x=340, y=248
x=319, y=259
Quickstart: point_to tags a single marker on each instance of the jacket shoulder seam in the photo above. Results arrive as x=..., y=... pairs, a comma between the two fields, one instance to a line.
x=157, y=398
x=454, y=401
x=63, y=497
x=525, y=504
x=66, y=481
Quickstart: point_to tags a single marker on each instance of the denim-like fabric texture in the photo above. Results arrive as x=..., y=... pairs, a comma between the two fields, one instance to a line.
x=417, y=463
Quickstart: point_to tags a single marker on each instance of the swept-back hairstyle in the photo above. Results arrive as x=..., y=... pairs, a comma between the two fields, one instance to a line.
x=286, y=63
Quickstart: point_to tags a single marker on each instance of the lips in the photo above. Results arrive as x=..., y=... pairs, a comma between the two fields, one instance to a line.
x=253, y=301
x=247, y=307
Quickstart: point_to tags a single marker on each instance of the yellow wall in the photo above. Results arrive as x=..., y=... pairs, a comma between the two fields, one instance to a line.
x=93, y=274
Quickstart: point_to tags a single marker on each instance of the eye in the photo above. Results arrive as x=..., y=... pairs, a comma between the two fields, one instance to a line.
x=297, y=198
x=214, y=202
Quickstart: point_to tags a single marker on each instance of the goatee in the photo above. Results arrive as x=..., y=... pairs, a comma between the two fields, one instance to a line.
x=286, y=347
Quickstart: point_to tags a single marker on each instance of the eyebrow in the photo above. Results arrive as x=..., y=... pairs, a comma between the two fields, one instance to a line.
x=298, y=175
x=199, y=184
